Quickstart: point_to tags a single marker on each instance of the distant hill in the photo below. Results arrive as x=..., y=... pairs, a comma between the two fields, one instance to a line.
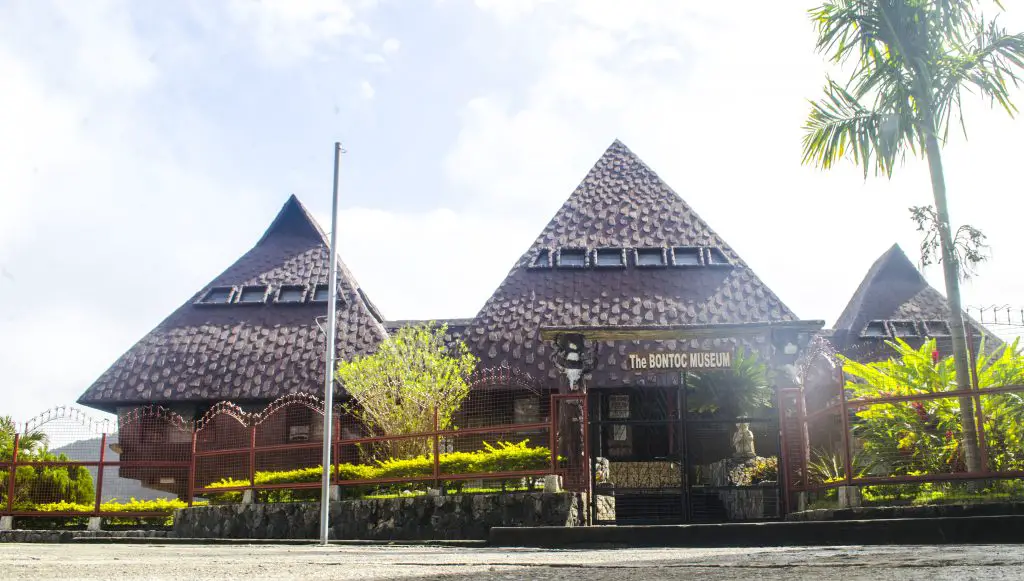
x=113, y=485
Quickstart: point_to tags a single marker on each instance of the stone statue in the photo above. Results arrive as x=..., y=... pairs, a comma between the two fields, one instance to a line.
x=743, y=442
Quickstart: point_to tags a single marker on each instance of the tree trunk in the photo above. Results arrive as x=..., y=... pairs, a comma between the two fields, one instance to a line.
x=950, y=270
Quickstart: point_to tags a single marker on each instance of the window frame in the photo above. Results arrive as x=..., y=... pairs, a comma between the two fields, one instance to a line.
x=203, y=300
x=609, y=251
x=250, y=288
x=710, y=251
x=944, y=325
x=650, y=250
x=547, y=255
x=574, y=249
x=303, y=290
x=697, y=251
x=312, y=293
x=901, y=323
x=877, y=324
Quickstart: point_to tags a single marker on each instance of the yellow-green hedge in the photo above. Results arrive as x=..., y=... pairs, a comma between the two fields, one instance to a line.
x=502, y=457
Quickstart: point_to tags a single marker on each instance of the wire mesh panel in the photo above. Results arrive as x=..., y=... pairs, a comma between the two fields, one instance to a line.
x=154, y=447
x=57, y=456
x=1001, y=422
x=289, y=438
x=224, y=448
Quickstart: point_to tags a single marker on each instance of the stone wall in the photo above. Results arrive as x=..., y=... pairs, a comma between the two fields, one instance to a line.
x=416, y=518
x=59, y=536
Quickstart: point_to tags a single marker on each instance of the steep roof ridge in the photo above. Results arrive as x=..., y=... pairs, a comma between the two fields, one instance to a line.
x=698, y=231
x=293, y=209
x=200, y=353
x=620, y=203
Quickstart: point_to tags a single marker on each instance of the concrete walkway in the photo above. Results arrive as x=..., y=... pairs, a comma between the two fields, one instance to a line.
x=255, y=562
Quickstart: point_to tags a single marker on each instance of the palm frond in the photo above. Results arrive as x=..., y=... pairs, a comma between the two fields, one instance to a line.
x=990, y=61
x=840, y=126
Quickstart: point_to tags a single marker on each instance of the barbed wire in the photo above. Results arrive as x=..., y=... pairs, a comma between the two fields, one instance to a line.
x=998, y=315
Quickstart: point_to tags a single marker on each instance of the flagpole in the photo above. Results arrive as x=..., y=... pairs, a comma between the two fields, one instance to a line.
x=332, y=323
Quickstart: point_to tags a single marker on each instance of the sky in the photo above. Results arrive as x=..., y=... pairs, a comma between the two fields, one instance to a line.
x=147, y=145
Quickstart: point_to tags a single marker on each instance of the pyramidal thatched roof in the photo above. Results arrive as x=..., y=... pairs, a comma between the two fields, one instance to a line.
x=242, y=351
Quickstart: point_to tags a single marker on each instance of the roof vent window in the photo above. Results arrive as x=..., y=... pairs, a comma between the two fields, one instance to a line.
x=717, y=257
x=937, y=328
x=610, y=258
x=650, y=257
x=875, y=329
x=320, y=293
x=220, y=295
x=572, y=258
x=253, y=295
x=542, y=260
x=687, y=256
x=291, y=294
x=903, y=329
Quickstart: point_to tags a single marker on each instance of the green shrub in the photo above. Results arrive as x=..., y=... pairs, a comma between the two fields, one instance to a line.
x=501, y=457
x=762, y=470
x=166, y=506
x=508, y=457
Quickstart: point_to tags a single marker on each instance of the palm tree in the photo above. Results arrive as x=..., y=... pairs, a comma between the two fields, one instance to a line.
x=26, y=442
x=913, y=60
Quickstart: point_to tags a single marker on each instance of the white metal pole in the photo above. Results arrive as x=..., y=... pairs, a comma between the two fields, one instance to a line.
x=332, y=323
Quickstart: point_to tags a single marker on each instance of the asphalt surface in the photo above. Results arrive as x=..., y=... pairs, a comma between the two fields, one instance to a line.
x=251, y=562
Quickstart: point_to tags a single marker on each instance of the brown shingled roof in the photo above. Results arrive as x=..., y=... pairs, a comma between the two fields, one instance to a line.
x=893, y=290
x=247, y=352
x=621, y=203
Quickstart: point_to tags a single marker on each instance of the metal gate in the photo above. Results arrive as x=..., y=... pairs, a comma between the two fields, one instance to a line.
x=652, y=462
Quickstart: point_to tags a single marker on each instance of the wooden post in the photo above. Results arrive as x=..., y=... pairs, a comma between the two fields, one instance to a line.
x=553, y=431
x=437, y=453
x=978, y=413
x=192, y=469
x=11, y=478
x=99, y=475
x=252, y=459
x=847, y=444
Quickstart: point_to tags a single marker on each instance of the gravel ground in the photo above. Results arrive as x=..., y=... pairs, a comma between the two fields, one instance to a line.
x=251, y=562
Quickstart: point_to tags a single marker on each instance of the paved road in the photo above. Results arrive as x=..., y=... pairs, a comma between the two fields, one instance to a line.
x=75, y=561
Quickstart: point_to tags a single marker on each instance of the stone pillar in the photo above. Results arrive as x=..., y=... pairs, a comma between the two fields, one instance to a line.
x=334, y=493
x=249, y=496
x=552, y=484
x=6, y=523
x=850, y=497
x=95, y=524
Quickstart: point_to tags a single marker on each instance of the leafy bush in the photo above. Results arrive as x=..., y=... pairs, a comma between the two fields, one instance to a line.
x=507, y=457
x=501, y=457
x=762, y=470
x=925, y=437
x=113, y=506
x=412, y=375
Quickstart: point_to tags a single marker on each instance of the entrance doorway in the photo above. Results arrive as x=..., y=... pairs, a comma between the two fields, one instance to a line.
x=652, y=462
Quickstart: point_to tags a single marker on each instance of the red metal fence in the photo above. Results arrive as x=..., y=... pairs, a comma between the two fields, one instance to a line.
x=497, y=440
x=899, y=446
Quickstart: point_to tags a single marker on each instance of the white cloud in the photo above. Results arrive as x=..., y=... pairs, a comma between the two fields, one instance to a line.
x=289, y=30
x=716, y=104
x=391, y=46
x=510, y=10
x=366, y=90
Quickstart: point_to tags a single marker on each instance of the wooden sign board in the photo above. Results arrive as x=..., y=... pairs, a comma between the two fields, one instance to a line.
x=681, y=360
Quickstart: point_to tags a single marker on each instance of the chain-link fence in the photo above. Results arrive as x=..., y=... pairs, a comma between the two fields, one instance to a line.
x=64, y=465
x=900, y=432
